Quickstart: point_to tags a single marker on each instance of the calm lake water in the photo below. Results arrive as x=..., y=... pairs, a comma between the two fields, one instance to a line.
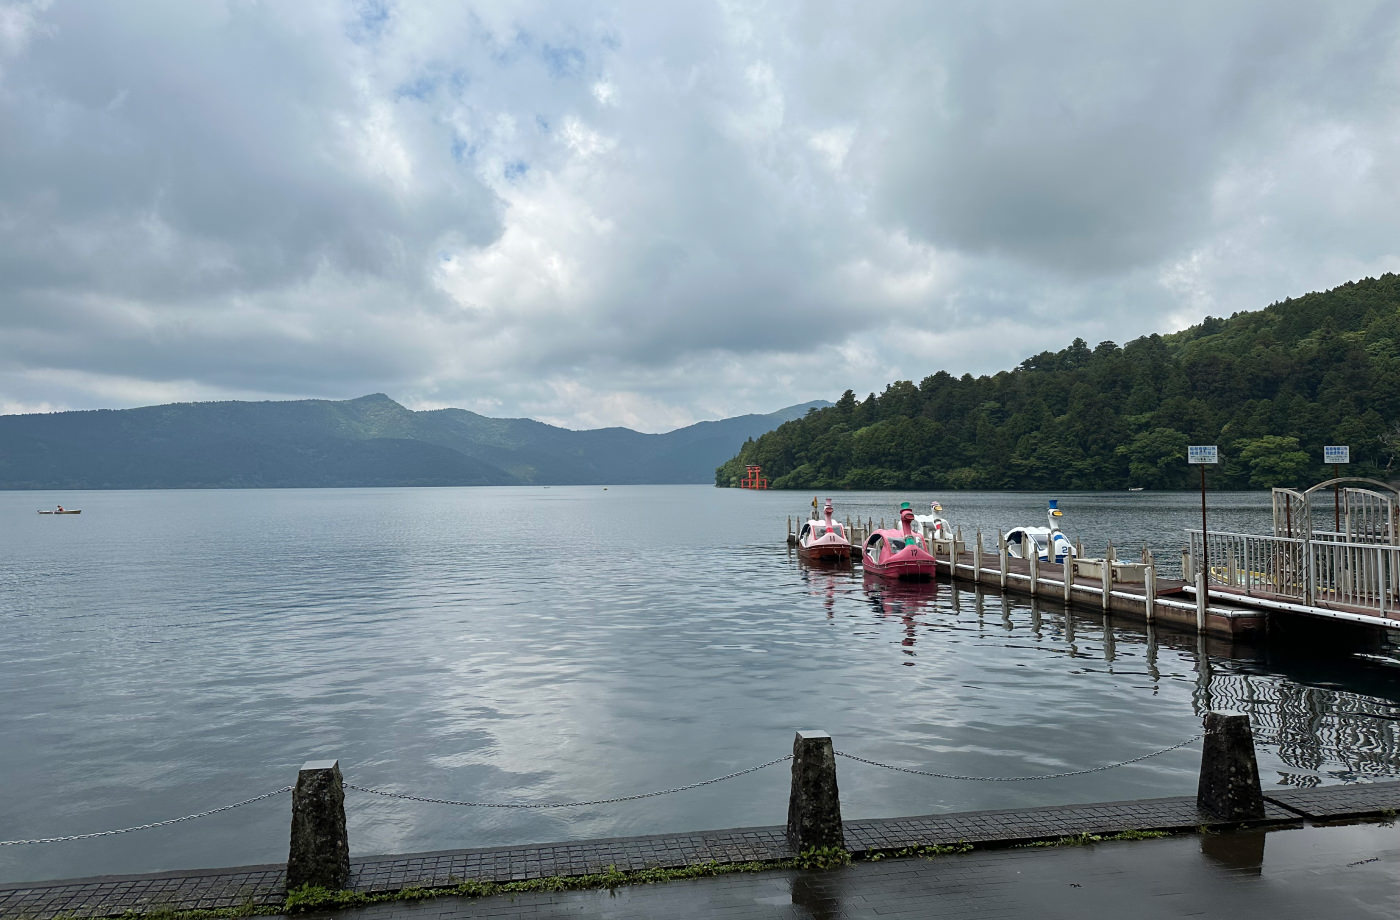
x=164, y=653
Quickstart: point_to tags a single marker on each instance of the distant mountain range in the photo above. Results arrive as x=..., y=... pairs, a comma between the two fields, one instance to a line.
x=370, y=441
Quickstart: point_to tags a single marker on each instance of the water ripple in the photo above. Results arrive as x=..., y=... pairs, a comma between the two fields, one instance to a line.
x=178, y=650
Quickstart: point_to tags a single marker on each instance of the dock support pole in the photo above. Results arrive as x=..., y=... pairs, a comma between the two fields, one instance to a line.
x=1107, y=577
x=1005, y=557
x=1069, y=578
x=1034, y=561
x=1201, y=601
x=977, y=559
x=320, y=849
x=1229, y=785
x=1149, y=592
x=814, y=805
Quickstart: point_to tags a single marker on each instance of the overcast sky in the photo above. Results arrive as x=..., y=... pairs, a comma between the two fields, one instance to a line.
x=651, y=213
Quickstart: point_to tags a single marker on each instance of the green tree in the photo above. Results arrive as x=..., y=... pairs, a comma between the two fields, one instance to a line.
x=1272, y=460
x=1156, y=459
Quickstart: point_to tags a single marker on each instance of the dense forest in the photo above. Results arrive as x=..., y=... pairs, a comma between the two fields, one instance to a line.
x=1270, y=388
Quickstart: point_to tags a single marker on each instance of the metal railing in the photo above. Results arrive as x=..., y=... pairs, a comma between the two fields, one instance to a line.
x=1310, y=571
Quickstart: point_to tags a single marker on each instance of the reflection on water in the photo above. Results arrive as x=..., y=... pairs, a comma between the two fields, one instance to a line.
x=174, y=651
x=1238, y=851
x=904, y=601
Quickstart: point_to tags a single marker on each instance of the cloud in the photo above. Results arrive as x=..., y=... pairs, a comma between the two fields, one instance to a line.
x=648, y=215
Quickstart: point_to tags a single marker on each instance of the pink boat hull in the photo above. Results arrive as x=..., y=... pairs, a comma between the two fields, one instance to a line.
x=911, y=561
x=825, y=549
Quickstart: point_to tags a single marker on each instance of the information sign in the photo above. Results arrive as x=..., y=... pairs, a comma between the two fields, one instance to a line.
x=1202, y=453
x=1336, y=453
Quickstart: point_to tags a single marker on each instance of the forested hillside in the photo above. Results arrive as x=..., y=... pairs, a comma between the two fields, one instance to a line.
x=1269, y=387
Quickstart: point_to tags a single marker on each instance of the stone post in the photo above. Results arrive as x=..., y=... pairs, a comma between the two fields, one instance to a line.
x=320, y=850
x=814, y=806
x=1229, y=786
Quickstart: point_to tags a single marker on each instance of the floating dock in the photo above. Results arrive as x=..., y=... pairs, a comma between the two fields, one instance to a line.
x=1133, y=589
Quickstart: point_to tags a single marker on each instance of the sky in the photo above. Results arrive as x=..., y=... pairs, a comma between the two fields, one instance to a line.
x=649, y=214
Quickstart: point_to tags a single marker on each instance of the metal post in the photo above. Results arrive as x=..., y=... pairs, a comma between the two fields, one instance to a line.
x=1309, y=573
x=1200, y=601
x=814, y=803
x=1205, y=549
x=1248, y=569
x=319, y=855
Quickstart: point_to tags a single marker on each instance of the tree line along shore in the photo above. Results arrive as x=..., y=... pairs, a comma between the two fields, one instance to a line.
x=1269, y=387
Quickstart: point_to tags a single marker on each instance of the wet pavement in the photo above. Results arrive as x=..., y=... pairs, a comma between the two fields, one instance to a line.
x=1309, y=873
x=1201, y=868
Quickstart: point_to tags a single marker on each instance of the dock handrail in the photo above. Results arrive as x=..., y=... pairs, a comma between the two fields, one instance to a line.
x=1317, y=572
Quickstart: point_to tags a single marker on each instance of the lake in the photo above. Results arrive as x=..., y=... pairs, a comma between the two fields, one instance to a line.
x=168, y=652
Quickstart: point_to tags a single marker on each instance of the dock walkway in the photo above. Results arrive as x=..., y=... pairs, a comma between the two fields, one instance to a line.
x=1229, y=611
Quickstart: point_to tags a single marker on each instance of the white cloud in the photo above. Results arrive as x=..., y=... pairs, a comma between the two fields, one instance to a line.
x=648, y=215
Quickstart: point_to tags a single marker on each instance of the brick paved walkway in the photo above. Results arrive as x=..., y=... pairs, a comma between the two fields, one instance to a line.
x=1297, y=874
x=110, y=896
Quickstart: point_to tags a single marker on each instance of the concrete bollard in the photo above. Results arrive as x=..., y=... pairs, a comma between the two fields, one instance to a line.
x=1229, y=785
x=814, y=806
x=320, y=849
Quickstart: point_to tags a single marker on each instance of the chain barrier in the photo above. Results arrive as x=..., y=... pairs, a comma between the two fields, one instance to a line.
x=143, y=827
x=622, y=798
x=1021, y=779
x=609, y=801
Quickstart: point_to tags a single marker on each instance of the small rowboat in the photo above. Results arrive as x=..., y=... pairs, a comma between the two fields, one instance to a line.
x=65, y=511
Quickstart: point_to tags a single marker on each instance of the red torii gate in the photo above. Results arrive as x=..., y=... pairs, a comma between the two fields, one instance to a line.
x=753, y=478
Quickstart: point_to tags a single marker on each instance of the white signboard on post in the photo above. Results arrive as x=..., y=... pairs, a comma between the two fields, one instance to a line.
x=1336, y=453
x=1202, y=453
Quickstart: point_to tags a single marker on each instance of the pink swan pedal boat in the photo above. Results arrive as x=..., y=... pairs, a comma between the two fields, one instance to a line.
x=901, y=553
x=823, y=540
